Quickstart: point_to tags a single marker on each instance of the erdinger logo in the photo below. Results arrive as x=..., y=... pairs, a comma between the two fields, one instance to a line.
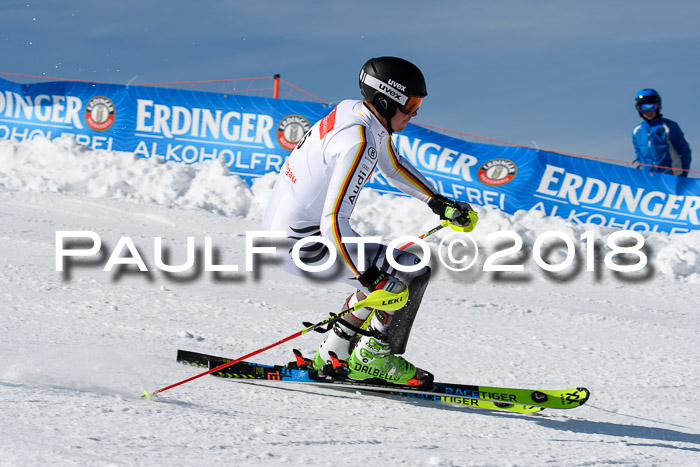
x=99, y=113
x=291, y=129
x=497, y=172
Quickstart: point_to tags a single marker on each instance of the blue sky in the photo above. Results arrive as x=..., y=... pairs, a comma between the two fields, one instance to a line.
x=560, y=75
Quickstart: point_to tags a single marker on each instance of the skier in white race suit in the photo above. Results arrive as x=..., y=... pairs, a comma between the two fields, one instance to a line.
x=315, y=194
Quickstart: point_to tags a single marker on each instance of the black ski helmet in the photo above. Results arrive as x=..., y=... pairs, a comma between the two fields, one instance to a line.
x=389, y=82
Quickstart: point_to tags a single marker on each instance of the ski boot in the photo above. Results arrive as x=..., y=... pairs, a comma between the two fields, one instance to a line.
x=341, y=338
x=372, y=361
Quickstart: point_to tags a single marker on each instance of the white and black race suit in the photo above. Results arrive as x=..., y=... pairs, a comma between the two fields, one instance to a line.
x=318, y=187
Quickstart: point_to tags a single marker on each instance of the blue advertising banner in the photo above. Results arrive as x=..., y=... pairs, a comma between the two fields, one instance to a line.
x=254, y=135
x=579, y=190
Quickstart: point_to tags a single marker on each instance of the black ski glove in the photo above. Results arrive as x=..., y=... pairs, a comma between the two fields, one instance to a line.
x=458, y=213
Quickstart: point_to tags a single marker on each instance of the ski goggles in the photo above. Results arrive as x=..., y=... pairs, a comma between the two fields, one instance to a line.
x=648, y=107
x=412, y=105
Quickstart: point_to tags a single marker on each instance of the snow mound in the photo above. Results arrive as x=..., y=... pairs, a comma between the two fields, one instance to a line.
x=64, y=166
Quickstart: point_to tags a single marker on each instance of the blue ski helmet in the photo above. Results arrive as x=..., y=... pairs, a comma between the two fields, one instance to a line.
x=647, y=96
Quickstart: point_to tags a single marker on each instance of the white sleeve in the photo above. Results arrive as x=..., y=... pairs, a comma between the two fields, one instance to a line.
x=354, y=163
x=401, y=174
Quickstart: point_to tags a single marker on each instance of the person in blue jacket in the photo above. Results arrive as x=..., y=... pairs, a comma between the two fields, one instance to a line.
x=659, y=142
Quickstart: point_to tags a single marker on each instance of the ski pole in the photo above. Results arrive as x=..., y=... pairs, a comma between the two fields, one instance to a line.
x=380, y=299
x=444, y=224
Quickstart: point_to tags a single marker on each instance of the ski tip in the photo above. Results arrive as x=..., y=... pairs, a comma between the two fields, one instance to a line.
x=586, y=393
x=146, y=395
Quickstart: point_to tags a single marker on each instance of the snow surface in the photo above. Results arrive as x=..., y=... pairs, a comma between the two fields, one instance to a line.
x=79, y=347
